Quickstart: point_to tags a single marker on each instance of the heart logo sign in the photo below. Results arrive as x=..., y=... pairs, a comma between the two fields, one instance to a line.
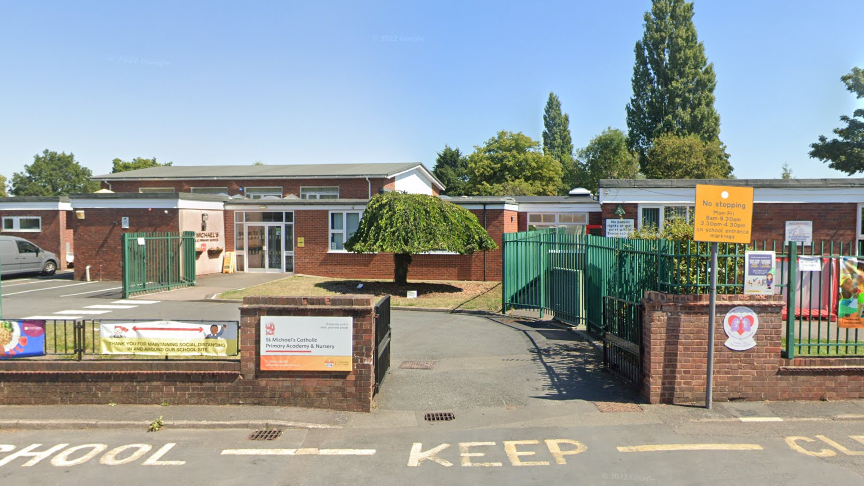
x=740, y=324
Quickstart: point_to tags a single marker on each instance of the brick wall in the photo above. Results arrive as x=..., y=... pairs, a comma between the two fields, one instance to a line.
x=674, y=358
x=24, y=382
x=53, y=236
x=631, y=211
x=98, y=238
x=348, y=188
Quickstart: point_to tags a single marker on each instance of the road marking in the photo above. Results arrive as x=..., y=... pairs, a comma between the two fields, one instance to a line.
x=466, y=455
x=92, y=291
x=48, y=288
x=298, y=452
x=760, y=419
x=129, y=301
x=110, y=307
x=62, y=459
x=86, y=452
x=690, y=447
x=25, y=283
x=50, y=318
x=85, y=312
x=573, y=447
x=793, y=443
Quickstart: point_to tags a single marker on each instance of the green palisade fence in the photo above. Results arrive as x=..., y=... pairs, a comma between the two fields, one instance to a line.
x=157, y=261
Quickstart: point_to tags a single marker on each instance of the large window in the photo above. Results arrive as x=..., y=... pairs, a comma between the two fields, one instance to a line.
x=153, y=190
x=319, y=192
x=343, y=225
x=210, y=190
x=259, y=192
x=25, y=224
x=573, y=223
x=657, y=215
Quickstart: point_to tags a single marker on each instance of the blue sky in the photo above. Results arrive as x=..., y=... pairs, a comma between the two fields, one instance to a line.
x=316, y=82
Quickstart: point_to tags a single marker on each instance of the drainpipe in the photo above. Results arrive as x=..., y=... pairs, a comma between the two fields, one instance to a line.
x=370, y=187
x=484, y=251
x=109, y=185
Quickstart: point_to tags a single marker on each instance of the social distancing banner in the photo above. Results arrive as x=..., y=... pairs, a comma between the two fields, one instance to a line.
x=169, y=338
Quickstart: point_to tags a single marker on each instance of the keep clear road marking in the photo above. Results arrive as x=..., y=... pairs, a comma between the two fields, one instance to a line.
x=690, y=447
x=298, y=452
x=760, y=419
x=85, y=312
x=47, y=288
x=129, y=301
x=110, y=307
x=92, y=292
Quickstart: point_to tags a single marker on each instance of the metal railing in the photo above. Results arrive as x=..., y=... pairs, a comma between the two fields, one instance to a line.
x=157, y=261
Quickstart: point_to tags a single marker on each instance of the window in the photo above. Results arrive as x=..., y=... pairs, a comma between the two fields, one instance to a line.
x=210, y=190
x=27, y=247
x=657, y=215
x=342, y=227
x=259, y=192
x=153, y=190
x=572, y=222
x=319, y=192
x=30, y=224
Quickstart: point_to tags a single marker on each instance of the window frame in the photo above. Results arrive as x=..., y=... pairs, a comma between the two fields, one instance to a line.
x=156, y=190
x=318, y=191
x=343, y=231
x=277, y=191
x=16, y=224
x=661, y=217
x=209, y=190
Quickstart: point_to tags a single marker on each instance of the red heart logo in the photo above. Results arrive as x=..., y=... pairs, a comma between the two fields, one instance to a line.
x=748, y=324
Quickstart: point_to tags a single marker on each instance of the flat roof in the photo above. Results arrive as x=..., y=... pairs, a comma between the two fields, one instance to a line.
x=49, y=199
x=186, y=196
x=385, y=170
x=760, y=183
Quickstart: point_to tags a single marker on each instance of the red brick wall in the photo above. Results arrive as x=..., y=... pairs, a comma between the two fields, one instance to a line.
x=674, y=361
x=631, y=211
x=53, y=235
x=348, y=188
x=523, y=221
x=197, y=382
x=97, y=238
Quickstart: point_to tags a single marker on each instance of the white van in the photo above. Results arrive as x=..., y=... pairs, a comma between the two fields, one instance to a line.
x=18, y=255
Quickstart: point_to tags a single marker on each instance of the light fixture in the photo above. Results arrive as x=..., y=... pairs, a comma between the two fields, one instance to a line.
x=79, y=214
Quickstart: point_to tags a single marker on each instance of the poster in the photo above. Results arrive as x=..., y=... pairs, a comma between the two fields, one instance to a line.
x=851, y=304
x=740, y=325
x=809, y=264
x=294, y=343
x=759, y=272
x=168, y=338
x=619, y=228
x=20, y=339
x=799, y=231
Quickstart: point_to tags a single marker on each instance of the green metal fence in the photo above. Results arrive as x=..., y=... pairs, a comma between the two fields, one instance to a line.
x=157, y=261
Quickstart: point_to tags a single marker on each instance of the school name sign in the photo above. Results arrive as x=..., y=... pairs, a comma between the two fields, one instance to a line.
x=724, y=214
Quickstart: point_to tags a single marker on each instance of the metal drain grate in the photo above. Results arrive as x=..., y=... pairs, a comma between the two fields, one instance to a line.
x=439, y=417
x=417, y=365
x=265, y=434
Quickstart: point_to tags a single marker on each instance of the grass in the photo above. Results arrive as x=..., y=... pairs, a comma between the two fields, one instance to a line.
x=842, y=348
x=439, y=294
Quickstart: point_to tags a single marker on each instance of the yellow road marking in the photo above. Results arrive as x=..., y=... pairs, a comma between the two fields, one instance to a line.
x=690, y=447
x=298, y=452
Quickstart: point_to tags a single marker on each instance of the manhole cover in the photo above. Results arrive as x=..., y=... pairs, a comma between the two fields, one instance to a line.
x=417, y=365
x=439, y=417
x=617, y=407
x=271, y=434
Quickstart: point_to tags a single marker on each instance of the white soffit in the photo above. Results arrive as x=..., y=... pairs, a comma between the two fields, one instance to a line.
x=666, y=195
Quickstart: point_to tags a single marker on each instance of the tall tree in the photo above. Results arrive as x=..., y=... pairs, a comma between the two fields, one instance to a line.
x=135, y=164
x=53, y=174
x=511, y=164
x=3, y=192
x=408, y=224
x=845, y=153
x=688, y=157
x=673, y=83
x=451, y=168
x=607, y=157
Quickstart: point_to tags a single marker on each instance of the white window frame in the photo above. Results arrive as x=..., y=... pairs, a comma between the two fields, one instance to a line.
x=16, y=224
x=318, y=191
x=208, y=190
x=264, y=191
x=156, y=190
x=343, y=231
x=662, y=210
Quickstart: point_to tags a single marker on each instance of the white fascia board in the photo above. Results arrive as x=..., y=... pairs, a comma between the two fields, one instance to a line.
x=146, y=204
x=506, y=207
x=35, y=206
x=296, y=207
x=425, y=172
x=760, y=195
x=592, y=207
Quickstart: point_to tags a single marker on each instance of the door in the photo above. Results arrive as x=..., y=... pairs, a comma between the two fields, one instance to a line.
x=9, y=257
x=274, y=248
x=264, y=247
x=28, y=257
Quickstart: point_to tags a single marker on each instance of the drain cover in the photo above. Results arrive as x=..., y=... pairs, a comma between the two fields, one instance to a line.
x=265, y=434
x=417, y=365
x=439, y=417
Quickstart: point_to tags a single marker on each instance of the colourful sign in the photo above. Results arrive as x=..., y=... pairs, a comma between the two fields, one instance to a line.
x=799, y=231
x=740, y=324
x=20, y=339
x=228, y=262
x=759, y=272
x=850, y=308
x=294, y=343
x=724, y=214
x=168, y=338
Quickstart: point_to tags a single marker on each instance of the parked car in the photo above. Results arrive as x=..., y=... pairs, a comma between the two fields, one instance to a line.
x=18, y=255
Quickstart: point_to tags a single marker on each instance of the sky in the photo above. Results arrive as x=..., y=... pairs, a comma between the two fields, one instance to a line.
x=211, y=83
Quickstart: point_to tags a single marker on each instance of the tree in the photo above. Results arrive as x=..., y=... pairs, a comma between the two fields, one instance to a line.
x=135, y=164
x=53, y=174
x=408, y=224
x=511, y=164
x=3, y=192
x=845, y=153
x=258, y=163
x=687, y=157
x=787, y=172
x=557, y=141
x=673, y=83
x=451, y=168
x=607, y=157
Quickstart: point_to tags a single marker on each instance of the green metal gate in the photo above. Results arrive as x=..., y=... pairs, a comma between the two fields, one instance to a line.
x=157, y=261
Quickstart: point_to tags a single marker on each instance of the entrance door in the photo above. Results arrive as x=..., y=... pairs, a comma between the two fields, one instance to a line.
x=264, y=248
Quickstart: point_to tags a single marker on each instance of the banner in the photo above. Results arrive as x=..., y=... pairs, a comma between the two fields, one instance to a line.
x=851, y=304
x=169, y=338
x=759, y=272
x=20, y=339
x=307, y=343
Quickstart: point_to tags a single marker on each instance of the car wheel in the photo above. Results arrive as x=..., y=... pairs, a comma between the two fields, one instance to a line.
x=50, y=268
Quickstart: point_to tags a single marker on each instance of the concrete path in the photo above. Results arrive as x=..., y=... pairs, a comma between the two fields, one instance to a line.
x=209, y=286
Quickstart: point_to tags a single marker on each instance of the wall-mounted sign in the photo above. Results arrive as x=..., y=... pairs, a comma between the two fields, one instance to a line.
x=168, y=338
x=141, y=241
x=294, y=343
x=809, y=264
x=124, y=222
x=724, y=214
x=300, y=241
x=619, y=228
x=741, y=324
x=850, y=307
x=207, y=237
x=20, y=339
x=799, y=231
x=759, y=272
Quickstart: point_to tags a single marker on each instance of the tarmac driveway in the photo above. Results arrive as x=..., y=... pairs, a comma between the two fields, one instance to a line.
x=490, y=363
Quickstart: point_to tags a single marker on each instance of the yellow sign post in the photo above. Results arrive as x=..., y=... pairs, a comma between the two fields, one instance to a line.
x=724, y=214
x=228, y=262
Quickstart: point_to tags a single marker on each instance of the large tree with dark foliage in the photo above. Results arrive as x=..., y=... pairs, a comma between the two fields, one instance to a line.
x=53, y=174
x=846, y=151
x=451, y=168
